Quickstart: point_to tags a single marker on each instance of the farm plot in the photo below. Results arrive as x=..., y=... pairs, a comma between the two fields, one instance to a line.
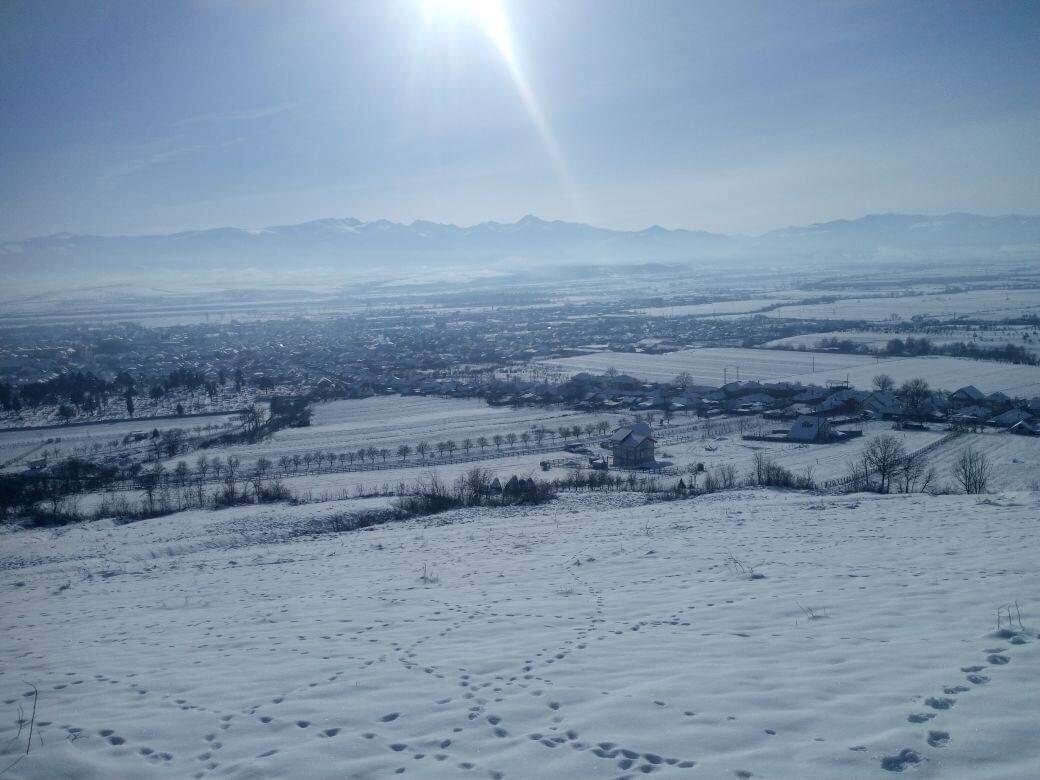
x=942, y=373
x=386, y=422
x=710, y=309
x=712, y=366
x=984, y=338
x=1013, y=459
x=20, y=445
x=978, y=304
x=824, y=461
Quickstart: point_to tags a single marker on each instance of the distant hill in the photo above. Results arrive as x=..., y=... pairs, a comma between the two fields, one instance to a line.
x=343, y=244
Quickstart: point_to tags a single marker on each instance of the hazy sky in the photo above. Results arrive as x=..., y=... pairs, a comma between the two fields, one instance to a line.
x=732, y=116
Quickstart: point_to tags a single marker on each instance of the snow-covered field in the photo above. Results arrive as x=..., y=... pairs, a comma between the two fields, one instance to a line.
x=707, y=367
x=877, y=339
x=389, y=421
x=943, y=373
x=594, y=637
x=980, y=304
x=707, y=309
x=826, y=461
x=712, y=366
x=20, y=445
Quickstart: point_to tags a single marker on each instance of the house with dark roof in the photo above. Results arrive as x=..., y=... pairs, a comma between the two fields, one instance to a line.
x=1011, y=417
x=967, y=395
x=632, y=446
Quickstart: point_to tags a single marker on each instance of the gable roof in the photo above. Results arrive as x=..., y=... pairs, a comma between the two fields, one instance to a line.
x=971, y=392
x=631, y=435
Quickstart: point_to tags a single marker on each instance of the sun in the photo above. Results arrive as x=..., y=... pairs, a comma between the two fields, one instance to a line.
x=492, y=19
x=489, y=15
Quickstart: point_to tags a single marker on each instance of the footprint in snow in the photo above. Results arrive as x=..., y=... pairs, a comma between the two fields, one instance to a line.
x=938, y=738
x=900, y=760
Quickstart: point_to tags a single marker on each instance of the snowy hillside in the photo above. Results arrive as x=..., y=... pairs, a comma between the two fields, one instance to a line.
x=594, y=637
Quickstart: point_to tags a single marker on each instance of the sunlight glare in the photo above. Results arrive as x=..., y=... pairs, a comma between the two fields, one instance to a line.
x=491, y=17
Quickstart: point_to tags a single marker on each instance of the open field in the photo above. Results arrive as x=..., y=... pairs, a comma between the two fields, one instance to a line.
x=976, y=304
x=18, y=446
x=595, y=637
x=827, y=461
x=708, y=366
x=944, y=373
x=389, y=421
x=981, y=337
x=710, y=309
x=711, y=366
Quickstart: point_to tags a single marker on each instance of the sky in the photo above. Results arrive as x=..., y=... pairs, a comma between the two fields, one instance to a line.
x=737, y=117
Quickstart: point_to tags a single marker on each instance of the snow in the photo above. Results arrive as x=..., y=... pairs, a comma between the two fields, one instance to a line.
x=978, y=304
x=562, y=641
x=17, y=446
x=985, y=338
x=713, y=366
x=389, y=421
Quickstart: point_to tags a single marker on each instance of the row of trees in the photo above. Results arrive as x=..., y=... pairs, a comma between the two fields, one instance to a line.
x=424, y=450
x=922, y=345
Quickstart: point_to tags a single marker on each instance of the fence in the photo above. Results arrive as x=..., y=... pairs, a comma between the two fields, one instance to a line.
x=849, y=479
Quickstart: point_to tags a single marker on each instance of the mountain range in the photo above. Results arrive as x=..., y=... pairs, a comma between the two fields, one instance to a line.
x=333, y=244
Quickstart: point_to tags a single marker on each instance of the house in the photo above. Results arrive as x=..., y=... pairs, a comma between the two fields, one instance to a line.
x=883, y=403
x=1011, y=417
x=632, y=445
x=1025, y=429
x=812, y=429
x=972, y=414
x=967, y=395
x=843, y=401
x=998, y=400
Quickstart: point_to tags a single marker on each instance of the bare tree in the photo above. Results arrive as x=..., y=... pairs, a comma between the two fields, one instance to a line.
x=450, y=446
x=882, y=456
x=973, y=471
x=914, y=474
x=181, y=472
x=422, y=448
x=883, y=383
x=285, y=463
x=914, y=394
x=467, y=445
x=201, y=467
x=482, y=442
x=263, y=465
x=231, y=476
x=498, y=440
x=525, y=439
x=683, y=381
x=404, y=451
x=511, y=439
x=441, y=447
